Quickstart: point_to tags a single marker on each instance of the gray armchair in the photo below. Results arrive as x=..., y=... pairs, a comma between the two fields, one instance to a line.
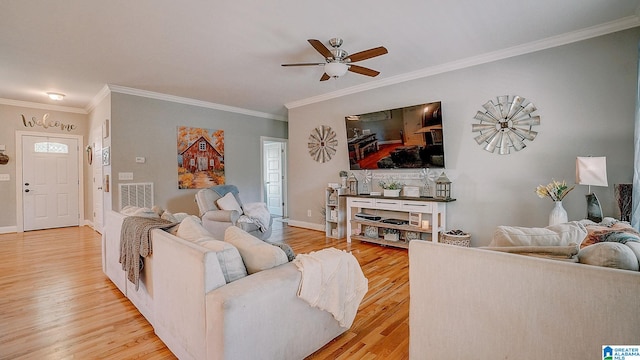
x=216, y=221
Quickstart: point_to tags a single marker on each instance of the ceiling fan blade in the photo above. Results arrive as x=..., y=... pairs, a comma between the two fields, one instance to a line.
x=363, y=70
x=325, y=77
x=368, y=54
x=319, y=46
x=304, y=64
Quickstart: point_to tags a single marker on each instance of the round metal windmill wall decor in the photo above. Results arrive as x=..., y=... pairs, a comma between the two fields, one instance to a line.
x=322, y=143
x=506, y=125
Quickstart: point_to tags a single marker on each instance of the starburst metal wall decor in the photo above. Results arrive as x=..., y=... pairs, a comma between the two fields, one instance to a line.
x=322, y=143
x=505, y=125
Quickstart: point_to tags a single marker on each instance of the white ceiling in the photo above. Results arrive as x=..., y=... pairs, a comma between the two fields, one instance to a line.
x=229, y=52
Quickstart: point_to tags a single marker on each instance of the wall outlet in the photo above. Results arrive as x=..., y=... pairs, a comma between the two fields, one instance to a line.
x=140, y=160
x=309, y=213
x=5, y=177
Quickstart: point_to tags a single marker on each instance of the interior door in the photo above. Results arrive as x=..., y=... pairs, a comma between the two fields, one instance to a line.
x=273, y=175
x=412, y=119
x=50, y=182
x=96, y=165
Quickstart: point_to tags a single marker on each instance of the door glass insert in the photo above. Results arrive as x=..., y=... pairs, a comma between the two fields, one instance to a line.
x=51, y=147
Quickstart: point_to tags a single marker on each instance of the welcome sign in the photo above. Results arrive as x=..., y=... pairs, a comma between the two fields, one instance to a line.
x=46, y=123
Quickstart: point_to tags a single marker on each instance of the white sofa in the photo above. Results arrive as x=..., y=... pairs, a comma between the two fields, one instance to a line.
x=470, y=303
x=183, y=294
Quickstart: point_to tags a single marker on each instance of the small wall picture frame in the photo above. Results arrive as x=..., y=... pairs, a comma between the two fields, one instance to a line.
x=106, y=156
x=105, y=129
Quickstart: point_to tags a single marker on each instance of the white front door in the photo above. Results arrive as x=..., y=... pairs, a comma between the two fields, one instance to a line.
x=96, y=165
x=50, y=182
x=273, y=175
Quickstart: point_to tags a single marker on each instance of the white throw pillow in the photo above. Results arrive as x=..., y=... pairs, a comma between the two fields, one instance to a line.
x=257, y=255
x=229, y=202
x=556, y=235
x=192, y=230
x=228, y=257
x=609, y=254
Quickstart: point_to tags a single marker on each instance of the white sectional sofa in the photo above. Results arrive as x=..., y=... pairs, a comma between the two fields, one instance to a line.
x=470, y=303
x=183, y=294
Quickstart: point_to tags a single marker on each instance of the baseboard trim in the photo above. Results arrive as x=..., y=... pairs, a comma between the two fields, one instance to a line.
x=8, y=229
x=306, y=225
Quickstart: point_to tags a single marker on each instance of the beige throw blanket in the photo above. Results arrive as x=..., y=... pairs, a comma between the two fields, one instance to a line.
x=332, y=280
x=135, y=243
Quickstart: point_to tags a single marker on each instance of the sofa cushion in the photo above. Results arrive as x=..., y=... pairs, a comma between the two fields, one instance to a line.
x=556, y=235
x=609, y=254
x=229, y=202
x=230, y=260
x=257, y=255
x=191, y=229
x=131, y=210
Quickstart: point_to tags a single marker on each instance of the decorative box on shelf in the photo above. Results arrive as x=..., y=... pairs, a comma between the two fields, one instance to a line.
x=391, y=235
x=411, y=191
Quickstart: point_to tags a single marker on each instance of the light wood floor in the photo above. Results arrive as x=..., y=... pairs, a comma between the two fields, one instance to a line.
x=56, y=303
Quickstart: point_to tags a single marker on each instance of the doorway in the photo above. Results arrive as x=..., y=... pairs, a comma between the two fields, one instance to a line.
x=274, y=174
x=49, y=190
x=96, y=166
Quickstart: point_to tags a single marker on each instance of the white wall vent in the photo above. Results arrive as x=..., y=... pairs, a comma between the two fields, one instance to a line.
x=136, y=194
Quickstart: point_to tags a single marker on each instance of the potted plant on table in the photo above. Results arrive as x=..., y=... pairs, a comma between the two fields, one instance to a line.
x=391, y=187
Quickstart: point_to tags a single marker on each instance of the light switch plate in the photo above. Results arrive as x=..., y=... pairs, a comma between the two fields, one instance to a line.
x=125, y=176
x=140, y=160
x=5, y=177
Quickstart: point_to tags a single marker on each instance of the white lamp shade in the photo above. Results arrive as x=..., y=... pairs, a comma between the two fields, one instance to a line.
x=335, y=69
x=591, y=171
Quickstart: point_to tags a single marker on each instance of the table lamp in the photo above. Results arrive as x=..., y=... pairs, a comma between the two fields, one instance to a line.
x=592, y=171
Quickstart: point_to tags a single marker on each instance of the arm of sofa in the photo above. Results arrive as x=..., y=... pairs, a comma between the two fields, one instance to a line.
x=260, y=316
x=468, y=303
x=183, y=272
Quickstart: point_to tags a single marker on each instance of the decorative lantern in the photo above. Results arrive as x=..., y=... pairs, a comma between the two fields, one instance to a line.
x=352, y=184
x=443, y=187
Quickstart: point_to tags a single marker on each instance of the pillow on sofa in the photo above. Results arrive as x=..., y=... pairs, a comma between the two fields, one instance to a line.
x=229, y=202
x=191, y=229
x=616, y=232
x=257, y=255
x=609, y=254
x=228, y=257
x=556, y=235
x=287, y=250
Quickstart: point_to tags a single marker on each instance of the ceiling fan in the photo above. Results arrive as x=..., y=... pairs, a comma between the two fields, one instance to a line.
x=338, y=61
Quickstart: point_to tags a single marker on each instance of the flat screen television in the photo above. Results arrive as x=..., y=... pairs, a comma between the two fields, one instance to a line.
x=405, y=138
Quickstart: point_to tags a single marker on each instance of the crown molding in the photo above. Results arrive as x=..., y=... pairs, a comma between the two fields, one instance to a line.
x=103, y=93
x=551, y=42
x=188, y=101
x=35, y=105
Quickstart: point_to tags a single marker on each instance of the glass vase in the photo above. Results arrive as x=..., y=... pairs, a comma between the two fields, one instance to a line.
x=558, y=214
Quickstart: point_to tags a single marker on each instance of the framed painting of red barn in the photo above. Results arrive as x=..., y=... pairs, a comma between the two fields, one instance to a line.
x=200, y=157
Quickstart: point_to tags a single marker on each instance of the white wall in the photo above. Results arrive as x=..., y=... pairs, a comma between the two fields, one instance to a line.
x=585, y=95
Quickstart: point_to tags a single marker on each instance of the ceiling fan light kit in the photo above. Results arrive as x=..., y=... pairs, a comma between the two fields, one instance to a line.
x=338, y=61
x=336, y=69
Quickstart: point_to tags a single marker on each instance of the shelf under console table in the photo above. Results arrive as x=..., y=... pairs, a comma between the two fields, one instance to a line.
x=397, y=215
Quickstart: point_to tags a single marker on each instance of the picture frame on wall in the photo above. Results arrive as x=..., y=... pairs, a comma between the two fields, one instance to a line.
x=106, y=155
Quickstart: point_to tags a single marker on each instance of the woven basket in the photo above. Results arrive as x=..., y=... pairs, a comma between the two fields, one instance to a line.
x=459, y=240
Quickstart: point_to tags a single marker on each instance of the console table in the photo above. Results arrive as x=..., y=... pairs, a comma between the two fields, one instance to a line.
x=398, y=217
